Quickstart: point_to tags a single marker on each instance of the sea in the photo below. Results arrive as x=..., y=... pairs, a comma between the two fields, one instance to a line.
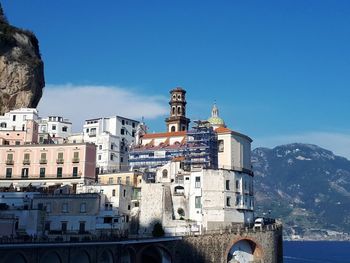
x=316, y=251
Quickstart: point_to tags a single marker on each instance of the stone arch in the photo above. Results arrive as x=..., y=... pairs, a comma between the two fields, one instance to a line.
x=128, y=255
x=15, y=258
x=106, y=256
x=244, y=250
x=154, y=253
x=81, y=256
x=51, y=257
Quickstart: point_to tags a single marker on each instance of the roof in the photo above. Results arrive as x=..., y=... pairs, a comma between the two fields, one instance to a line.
x=223, y=130
x=227, y=130
x=164, y=134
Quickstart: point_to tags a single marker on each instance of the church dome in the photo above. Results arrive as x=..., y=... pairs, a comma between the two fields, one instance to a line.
x=215, y=120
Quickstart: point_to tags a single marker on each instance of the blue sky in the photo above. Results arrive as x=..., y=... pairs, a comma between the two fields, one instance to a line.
x=278, y=70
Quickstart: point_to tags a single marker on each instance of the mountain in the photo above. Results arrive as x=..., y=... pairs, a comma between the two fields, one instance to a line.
x=21, y=67
x=308, y=187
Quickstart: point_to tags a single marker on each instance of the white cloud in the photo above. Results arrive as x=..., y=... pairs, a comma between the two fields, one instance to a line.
x=339, y=143
x=79, y=102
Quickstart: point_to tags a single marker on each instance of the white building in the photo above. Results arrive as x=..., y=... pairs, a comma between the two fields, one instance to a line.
x=112, y=136
x=55, y=126
x=16, y=120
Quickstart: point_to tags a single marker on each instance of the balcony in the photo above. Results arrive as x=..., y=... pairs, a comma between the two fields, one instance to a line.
x=60, y=161
x=26, y=161
x=43, y=161
x=9, y=162
x=75, y=160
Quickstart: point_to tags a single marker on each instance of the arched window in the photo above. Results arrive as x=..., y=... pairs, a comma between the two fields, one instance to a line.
x=165, y=173
x=179, y=110
x=173, y=110
x=3, y=125
x=172, y=128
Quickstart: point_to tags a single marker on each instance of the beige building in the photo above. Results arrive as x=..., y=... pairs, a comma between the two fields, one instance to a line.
x=47, y=163
x=127, y=178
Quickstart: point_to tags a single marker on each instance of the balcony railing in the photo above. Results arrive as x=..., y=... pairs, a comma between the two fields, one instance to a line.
x=26, y=161
x=75, y=160
x=43, y=161
x=60, y=161
x=9, y=162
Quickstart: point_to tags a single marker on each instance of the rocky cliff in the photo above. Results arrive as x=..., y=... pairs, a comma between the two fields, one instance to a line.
x=21, y=68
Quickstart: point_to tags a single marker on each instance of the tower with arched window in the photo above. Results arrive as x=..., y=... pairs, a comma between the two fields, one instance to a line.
x=177, y=120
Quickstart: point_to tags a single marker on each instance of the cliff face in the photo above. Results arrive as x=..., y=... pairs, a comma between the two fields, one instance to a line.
x=21, y=68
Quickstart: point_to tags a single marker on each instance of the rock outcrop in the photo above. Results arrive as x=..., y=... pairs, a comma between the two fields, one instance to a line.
x=21, y=68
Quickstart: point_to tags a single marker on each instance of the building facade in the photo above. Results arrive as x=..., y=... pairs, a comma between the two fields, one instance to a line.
x=48, y=163
x=113, y=137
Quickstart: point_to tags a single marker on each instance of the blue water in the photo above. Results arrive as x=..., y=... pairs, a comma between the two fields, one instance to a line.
x=316, y=252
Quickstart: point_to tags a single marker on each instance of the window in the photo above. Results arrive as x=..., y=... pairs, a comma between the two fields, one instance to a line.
x=3, y=125
x=173, y=110
x=47, y=225
x=227, y=184
x=65, y=208
x=43, y=156
x=42, y=172
x=197, y=202
x=165, y=173
x=128, y=207
x=81, y=227
x=237, y=185
x=238, y=200
x=228, y=201
x=14, y=118
x=25, y=172
x=179, y=110
x=133, y=124
x=53, y=127
x=75, y=171
x=17, y=142
x=8, y=172
x=23, y=127
x=112, y=146
x=113, y=192
x=100, y=147
x=133, y=134
x=76, y=155
x=60, y=157
x=220, y=146
x=83, y=208
x=119, y=180
x=121, y=159
x=87, y=130
x=99, y=157
x=123, y=122
x=64, y=226
x=64, y=128
x=26, y=156
x=111, y=157
x=9, y=160
x=122, y=131
x=173, y=128
x=197, y=182
x=59, y=171
x=124, y=193
x=48, y=207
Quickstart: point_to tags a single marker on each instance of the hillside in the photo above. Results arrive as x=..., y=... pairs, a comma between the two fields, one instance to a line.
x=307, y=186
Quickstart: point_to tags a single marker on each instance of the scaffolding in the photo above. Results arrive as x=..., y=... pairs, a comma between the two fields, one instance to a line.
x=202, y=146
x=200, y=149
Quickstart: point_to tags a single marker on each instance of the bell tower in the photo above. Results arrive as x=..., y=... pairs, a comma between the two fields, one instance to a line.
x=177, y=120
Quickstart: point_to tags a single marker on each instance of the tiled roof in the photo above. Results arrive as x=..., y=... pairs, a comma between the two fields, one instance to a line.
x=222, y=130
x=164, y=135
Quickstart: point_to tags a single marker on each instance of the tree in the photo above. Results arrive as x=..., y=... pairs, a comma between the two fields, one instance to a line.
x=158, y=230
